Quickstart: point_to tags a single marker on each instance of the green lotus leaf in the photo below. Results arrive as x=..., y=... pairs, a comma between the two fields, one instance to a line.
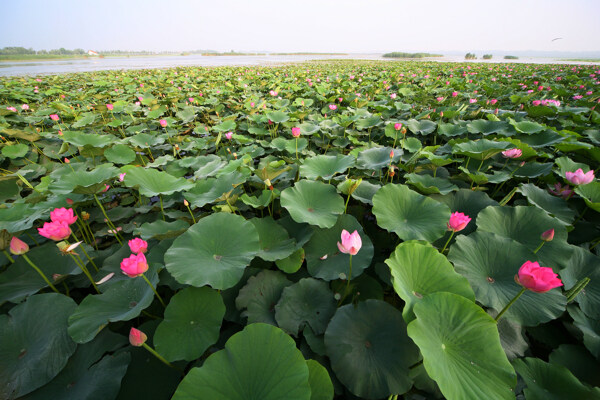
x=215, y=251
x=554, y=206
x=308, y=128
x=466, y=201
x=289, y=145
x=428, y=184
x=368, y=123
x=260, y=362
x=161, y=230
x=461, y=348
x=278, y=117
x=528, y=127
x=88, y=139
x=547, y=381
x=15, y=150
x=205, y=166
x=151, y=182
x=589, y=327
x=490, y=263
x=306, y=302
x=321, y=387
x=84, y=119
x=408, y=214
x=323, y=166
x=145, y=140
x=377, y=158
x=260, y=295
x=418, y=270
x=84, y=182
x=583, y=264
x=122, y=301
x=577, y=360
x=480, y=149
x=119, y=154
x=275, y=243
x=292, y=263
x=525, y=225
x=533, y=170
x=313, y=202
x=34, y=343
x=20, y=216
x=323, y=258
x=191, y=324
x=486, y=127
x=209, y=190
x=422, y=127
x=89, y=374
x=225, y=126
x=369, y=349
x=451, y=129
x=590, y=194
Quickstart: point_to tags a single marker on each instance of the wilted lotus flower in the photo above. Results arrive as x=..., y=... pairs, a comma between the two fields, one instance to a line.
x=351, y=243
x=512, y=153
x=458, y=221
x=580, y=178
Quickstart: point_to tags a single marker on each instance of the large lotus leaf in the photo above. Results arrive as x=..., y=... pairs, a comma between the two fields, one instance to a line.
x=583, y=264
x=490, y=263
x=368, y=123
x=313, y=202
x=259, y=363
x=528, y=127
x=323, y=258
x=428, y=184
x=21, y=280
x=123, y=301
x=119, y=154
x=275, y=244
x=590, y=194
x=145, y=140
x=480, y=149
x=260, y=295
x=34, y=344
x=369, y=349
x=151, y=182
x=21, y=216
x=409, y=214
x=547, y=381
x=466, y=201
x=525, y=225
x=205, y=166
x=282, y=144
x=292, y=263
x=191, y=324
x=418, y=270
x=278, y=117
x=377, y=158
x=88, y=375
x=15, y=150
x=422, y=127
x=579, y=361
x=461, y=348
x=511, y=337
x=365, y=192
x=307, y=302
x=84, y=182
x=215, y=251
x=486, y=127
x=324, y=166
x=589, y=327
x=533, y=170
x=321, y=387
x=161, y=230
x=88, y=139
x=553, y=205
x=451, y=129
x=225, y=126
x=84, y=119
x=209, y=190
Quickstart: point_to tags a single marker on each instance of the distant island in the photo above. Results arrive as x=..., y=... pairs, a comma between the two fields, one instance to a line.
x=399, y=54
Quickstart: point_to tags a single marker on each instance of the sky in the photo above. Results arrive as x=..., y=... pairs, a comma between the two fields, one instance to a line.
x=352, y=26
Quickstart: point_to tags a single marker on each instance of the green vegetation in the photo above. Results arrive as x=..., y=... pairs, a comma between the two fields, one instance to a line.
x=399, y=54
x=487, y=56
x=511, y=57
x=470, y=56
x=596, y=60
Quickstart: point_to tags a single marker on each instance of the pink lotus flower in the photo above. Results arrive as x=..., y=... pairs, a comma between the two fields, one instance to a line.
x=332, y=107
x=63, y=215
x=472, y=101
x=340, y=99
x=229, y=135
x=24, y=107
x=458, y=221
x=252, y=104
x=393, y=95
x=512, y=153
x=18, y=247
x=163, y=123
x=440, y=99
x=397, y=126
x=191, y=99
x=493, y=101
x=351, y=243
x=11, y=109
x=537, y=279
x=55, y=230
x=577, y=97
x=454, y=94
x=137, y=338
x=138, y=245
x=548, y=235
x=122, y=176
x=536, y=102
x=559, y=190
x=135, y=265
x=110, y=107
x=54, y=117
x=296, y=132
x=579, y=178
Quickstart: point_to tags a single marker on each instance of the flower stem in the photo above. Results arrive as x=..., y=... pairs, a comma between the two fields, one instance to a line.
x=349, y=276
x=539, y=247
x=39, y=272
x=154, y=290
x=8, y=256
x=155, y=354
x=506, y=307
x=346, y=206
x=448, y=241
x=108, y=221
x=162, y=210
x=85, y=252
x=191, y=214
x=85, y=271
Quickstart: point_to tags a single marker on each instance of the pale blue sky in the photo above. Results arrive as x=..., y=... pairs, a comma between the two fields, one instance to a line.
x=308, y=25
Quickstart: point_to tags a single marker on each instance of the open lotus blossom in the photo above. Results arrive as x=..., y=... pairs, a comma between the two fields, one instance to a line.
x=229, y=135
x=493, y=101
x=454, y=94
x=18, y=247
x=163, y=123
x=393, y=95
x=332, y=107
x=512, y=153
x=536, y=102
x=351, y=242
x=25, y=107
x=54, y=117
x=122, y=176
x=537, y=279
x=397, y=126
x=55, y=230
x=134, y=265
x=137, y=338
x=472, y=101
x=296, y=132
x=458, y=221
x=110, y=107
x=579, y=177
x=560, y=190
x=138, y=245
x=63, y=215
x=11, y=109
x=273, y=93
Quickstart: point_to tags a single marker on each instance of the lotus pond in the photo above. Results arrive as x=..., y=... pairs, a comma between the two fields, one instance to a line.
x=367, y=230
